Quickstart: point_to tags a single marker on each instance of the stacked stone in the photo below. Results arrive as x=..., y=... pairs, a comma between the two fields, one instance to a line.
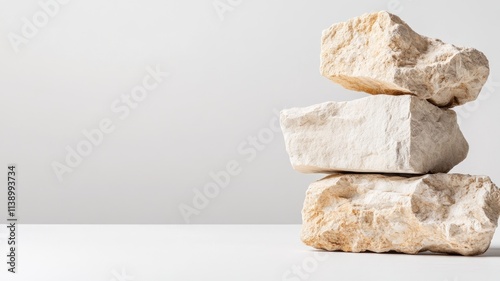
x=388, y=154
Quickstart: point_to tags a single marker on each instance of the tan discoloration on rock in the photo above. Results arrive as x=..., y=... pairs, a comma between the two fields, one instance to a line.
x=445, y=213
x=378, y=53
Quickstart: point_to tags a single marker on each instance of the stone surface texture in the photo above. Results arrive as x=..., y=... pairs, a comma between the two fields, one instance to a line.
x=375, y=134
x=378, y=53
x=445, y=213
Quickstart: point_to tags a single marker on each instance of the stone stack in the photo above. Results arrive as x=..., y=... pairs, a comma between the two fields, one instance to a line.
x=388, y=154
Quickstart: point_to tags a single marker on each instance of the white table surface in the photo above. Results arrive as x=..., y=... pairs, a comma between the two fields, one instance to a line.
x=217, y=252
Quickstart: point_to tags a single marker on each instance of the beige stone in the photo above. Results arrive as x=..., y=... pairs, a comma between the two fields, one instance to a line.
x=375, y=134
x=378, y=53
x=445, y=213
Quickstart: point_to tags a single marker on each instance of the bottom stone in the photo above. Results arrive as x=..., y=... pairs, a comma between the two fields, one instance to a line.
x=445, y=213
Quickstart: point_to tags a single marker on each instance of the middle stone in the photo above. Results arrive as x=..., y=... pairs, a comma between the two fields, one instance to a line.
x=376, y=134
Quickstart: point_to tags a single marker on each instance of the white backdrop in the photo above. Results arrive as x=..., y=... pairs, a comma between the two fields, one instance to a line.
x=70, y=68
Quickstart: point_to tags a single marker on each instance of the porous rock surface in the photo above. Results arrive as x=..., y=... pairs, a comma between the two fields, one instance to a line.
x=445, y=213
x=375, y=134
x=378, y=53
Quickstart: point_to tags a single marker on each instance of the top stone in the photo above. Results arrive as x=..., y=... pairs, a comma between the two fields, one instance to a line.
x=378, y=53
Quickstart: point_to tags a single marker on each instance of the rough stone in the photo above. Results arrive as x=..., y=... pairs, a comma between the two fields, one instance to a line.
x=445, y=213
x=378, y=53
x=375, y=134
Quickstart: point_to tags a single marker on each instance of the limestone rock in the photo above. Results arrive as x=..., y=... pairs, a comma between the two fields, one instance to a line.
x=446, y=213
x=378, y=53
x=375, y=134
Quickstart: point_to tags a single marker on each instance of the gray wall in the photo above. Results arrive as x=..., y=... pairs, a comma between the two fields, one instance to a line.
x=227, y=76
